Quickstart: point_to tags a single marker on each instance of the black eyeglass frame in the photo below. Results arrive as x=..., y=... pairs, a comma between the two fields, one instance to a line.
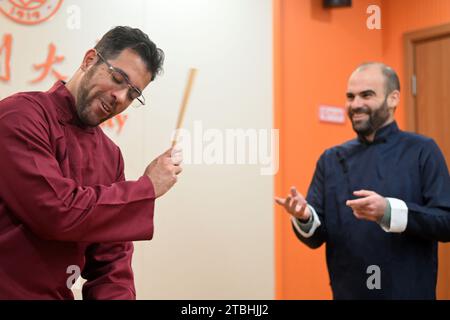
x=138, y=93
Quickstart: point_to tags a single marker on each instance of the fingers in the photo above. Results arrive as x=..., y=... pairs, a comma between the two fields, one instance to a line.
x=365, y=215
x=366, y=209
x=287, y=203
x=293, y=206
x=363, y=193
x=280, y=201
x=295, y=194
x=176, y=155
x=168, y=152
x=358, y=203
x=178, y=170
x=293, y=203
x=294, y=191
x=173, y=157
x=357, y=214
x=360, y=207
x=300, y=210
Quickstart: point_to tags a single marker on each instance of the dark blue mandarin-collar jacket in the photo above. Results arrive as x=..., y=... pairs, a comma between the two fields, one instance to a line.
x=397, y=164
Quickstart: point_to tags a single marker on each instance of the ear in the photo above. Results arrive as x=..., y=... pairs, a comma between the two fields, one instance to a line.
x=393, y=99
x=90, y=58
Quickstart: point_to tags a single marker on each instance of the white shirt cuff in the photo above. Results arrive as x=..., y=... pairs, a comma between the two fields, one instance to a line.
x=399, y=216
x=316, y=224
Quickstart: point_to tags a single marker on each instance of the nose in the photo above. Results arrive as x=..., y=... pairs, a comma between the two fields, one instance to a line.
x=120, y=95
x=356, y=103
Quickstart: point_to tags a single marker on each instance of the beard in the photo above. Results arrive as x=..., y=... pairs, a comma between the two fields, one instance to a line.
x=377, y=118
x=85, y=101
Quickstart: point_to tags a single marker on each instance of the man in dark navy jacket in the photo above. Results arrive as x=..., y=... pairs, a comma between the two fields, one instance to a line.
x=380, y=202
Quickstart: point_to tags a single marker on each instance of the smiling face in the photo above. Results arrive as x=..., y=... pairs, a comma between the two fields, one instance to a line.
x=368, y=106
x=99, y=96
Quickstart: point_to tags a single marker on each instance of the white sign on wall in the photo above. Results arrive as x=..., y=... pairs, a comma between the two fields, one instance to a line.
x=331, y=114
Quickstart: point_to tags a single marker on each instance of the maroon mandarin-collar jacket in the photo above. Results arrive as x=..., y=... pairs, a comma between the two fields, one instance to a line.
x=64, y=202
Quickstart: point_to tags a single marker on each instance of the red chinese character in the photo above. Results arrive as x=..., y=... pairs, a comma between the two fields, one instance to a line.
x=108, y=124
x=46, y=67
x=120, y=119
x=5, y=64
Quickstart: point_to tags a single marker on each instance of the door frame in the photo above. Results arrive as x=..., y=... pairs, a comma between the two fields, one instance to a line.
x=410, y=39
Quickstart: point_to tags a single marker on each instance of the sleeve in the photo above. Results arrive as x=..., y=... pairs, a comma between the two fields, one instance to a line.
x=385, y=221
x=395, y=218
x=432, y=219
x=315, y=199
x=54, y=207
x=108, y=271
x=307, y=229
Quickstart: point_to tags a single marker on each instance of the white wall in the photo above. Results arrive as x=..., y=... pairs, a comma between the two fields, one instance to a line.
x=214, y=231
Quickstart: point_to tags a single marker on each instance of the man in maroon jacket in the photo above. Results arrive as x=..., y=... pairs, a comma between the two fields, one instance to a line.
x=64, y=200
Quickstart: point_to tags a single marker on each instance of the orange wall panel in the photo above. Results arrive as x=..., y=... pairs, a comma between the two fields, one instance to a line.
x=315, y=49
x=403, y=16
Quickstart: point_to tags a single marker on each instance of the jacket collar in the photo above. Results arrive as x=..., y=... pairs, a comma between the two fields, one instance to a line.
x=382, y=134
x=66, y=107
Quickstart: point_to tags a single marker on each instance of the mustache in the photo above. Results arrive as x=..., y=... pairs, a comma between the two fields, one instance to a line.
x=108, y=102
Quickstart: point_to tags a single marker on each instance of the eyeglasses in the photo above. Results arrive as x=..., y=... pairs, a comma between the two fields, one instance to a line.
x=122, y=80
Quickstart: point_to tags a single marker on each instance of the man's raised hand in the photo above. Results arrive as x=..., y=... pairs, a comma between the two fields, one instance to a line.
x=295, y=204
x=164, y=169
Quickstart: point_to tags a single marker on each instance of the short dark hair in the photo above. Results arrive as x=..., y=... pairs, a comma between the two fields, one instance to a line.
x=392, y=81
x=122, y=37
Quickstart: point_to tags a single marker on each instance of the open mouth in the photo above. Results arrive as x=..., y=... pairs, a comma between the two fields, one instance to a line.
x=359, y=116
x=105, y=107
